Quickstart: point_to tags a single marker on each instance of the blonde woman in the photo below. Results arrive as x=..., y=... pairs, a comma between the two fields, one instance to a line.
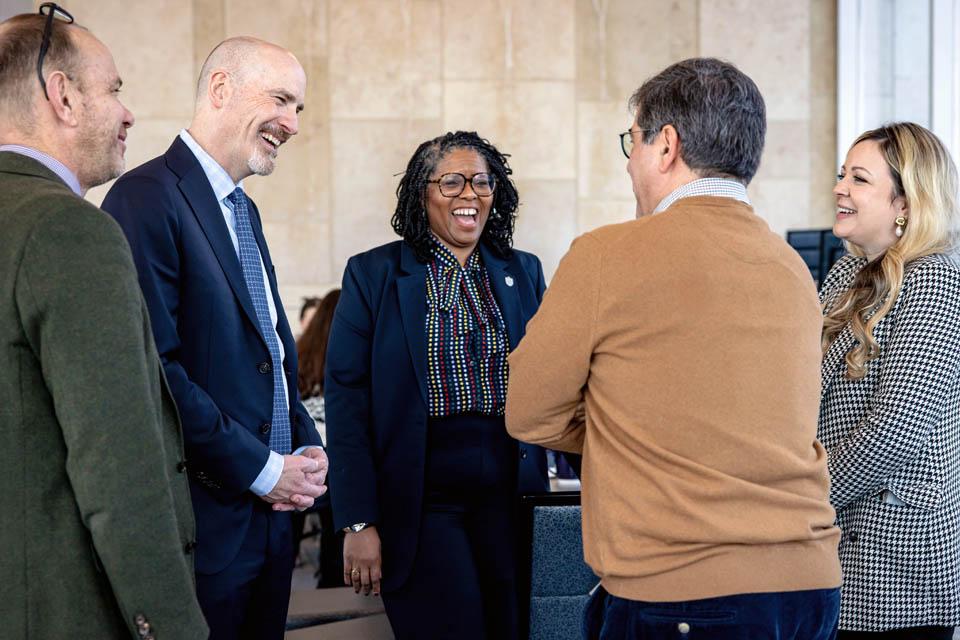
x=890, y=407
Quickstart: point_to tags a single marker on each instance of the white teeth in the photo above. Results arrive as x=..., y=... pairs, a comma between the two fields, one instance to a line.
x=271, y=139
x=842, y=210
x=464, y=212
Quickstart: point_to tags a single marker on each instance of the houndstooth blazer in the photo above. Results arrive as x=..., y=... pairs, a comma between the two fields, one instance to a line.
x=893, y=444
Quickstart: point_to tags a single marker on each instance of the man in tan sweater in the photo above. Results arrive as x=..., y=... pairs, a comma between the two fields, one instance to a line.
x=690, y=339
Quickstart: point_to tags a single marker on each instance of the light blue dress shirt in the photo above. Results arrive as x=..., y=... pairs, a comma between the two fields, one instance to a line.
x=49, y=162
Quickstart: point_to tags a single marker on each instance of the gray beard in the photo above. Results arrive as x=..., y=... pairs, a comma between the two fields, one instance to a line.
x=260, y=164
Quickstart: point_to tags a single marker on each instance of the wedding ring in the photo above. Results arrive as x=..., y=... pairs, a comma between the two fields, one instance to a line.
x=355, y=572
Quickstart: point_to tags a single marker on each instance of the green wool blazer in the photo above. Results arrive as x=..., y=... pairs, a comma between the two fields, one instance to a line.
x=96, y=526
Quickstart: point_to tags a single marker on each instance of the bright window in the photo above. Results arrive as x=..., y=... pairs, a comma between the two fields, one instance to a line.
x=898, y=60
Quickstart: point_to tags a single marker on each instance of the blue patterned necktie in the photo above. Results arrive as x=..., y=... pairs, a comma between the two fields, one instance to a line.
x=253, y=275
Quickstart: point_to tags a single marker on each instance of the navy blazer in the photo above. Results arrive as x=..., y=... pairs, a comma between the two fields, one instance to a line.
x=215, y=358
x=376, y=391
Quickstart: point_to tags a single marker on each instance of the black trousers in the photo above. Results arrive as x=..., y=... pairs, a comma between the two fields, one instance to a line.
x=463, y=581
x=913, y=633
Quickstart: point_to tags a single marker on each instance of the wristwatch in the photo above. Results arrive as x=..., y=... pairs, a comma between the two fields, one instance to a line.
x=357, y=528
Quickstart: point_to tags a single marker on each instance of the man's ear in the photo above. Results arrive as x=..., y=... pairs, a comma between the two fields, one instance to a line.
x=219, y=88
x=668, y=147
x=64, y=98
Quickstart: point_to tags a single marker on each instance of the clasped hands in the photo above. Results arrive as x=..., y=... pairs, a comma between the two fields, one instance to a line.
x=301, y=481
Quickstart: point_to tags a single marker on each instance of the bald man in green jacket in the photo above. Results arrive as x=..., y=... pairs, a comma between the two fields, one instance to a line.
x=96, y=526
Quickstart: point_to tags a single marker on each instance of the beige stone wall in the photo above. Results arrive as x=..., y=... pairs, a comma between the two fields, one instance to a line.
x=545, y=80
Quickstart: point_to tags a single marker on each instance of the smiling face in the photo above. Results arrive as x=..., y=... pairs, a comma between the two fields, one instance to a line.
x=458, y=222
x=867, y=205
x=263, y=111
x=103, y=120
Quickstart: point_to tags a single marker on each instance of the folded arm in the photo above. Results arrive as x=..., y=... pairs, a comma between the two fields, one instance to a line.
x=919, y=366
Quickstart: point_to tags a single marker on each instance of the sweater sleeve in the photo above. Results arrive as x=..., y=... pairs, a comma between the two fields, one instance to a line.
x=549, y=369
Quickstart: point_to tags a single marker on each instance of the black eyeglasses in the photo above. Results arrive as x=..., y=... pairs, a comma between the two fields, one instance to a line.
x=626, y=140
x=452, y=184
x=51, y=10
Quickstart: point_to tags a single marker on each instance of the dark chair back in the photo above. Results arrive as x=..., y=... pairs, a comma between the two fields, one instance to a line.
x=819, y=249
x=553, y=575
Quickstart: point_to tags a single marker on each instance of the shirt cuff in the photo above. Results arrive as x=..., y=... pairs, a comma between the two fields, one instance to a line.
x=269, y=476
x=300, y=450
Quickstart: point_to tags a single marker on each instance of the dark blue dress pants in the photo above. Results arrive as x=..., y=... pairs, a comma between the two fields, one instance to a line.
x=463, y=581
x=791, y=615
x=249, y=598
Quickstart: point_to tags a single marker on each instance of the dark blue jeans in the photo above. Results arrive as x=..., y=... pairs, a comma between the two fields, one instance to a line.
x=791, y=615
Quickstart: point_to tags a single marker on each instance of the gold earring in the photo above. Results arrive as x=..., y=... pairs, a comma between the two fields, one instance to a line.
x=901, y=222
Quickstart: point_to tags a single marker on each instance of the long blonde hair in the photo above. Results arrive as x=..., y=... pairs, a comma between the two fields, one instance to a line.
x=925, y=176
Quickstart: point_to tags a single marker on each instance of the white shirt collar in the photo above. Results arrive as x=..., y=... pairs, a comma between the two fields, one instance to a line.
x=720, y=187
x=221, y=182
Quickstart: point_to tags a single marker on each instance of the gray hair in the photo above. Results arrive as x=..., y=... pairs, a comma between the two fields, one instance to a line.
x=718, y=113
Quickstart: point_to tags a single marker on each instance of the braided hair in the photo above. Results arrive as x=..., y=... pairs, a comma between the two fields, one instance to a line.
x=410, y=219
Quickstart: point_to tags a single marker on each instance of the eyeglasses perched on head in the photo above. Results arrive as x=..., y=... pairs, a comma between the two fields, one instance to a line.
x=452, y=184
x=51, y=10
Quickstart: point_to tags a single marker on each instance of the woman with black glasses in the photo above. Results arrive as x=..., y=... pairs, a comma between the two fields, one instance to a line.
x=424, y=476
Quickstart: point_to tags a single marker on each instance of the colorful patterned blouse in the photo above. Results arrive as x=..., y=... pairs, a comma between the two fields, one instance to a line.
x=467, y=343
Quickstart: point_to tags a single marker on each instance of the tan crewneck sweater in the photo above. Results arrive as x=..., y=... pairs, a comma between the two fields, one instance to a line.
x=692, y=338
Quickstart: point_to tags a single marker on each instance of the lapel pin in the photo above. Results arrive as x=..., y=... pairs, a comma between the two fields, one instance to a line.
x=508, y=280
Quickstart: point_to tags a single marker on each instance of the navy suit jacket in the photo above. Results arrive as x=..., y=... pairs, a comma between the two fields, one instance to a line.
x=215, y=358
x=376, y=391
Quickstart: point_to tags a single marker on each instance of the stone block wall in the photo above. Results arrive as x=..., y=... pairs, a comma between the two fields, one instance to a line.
x=546, y=80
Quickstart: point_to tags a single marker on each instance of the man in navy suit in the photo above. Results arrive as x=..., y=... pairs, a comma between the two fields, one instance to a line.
x=253, y=453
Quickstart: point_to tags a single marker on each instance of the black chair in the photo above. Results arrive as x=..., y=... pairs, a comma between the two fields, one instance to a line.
x=819, y=249
x=554, y=580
